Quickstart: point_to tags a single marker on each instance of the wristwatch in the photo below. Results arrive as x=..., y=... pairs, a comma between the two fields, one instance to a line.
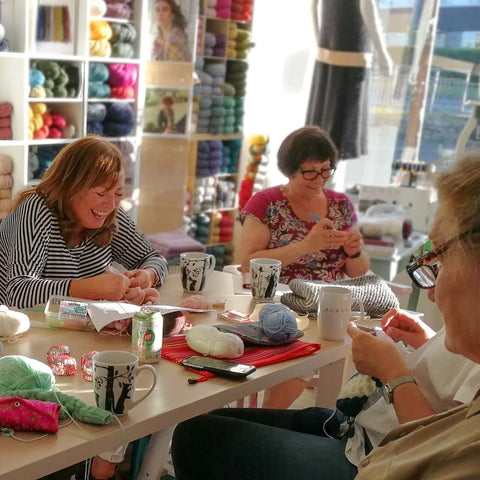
x=388, y=388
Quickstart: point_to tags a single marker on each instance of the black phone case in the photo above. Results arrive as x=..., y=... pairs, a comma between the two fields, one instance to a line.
x=218, y=371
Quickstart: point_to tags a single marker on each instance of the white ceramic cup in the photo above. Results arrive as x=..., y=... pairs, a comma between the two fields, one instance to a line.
x=334, y=312
x=195, y=268
x=114, y=376
x=264, y=276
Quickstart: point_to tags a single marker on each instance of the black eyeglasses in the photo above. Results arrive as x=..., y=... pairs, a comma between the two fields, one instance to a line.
x=424, y=270
x=314, y=174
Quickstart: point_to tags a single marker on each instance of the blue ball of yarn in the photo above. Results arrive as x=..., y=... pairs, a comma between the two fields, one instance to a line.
x=96, y=112
x=95, y=128
x=120, y=112
x=98, y=72
x=278, y=323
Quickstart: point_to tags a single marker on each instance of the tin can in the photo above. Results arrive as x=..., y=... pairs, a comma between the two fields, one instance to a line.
x=147, y=331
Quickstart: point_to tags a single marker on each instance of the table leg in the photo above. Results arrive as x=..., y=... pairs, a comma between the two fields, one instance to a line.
x=156, y=455
x=331, y=379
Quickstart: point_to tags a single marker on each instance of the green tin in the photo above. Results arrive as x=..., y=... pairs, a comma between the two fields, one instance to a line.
x=147, y=330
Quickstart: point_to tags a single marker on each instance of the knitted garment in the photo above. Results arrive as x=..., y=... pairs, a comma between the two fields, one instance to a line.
x=375, y=294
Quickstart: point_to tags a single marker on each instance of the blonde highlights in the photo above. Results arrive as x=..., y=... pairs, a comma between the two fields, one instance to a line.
x=86, y=163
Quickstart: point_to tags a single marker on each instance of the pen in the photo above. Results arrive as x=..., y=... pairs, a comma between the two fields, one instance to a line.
x=315, y=217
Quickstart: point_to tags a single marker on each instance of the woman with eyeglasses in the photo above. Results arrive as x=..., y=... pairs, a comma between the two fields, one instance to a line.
x=432, y=441
x=305, y=225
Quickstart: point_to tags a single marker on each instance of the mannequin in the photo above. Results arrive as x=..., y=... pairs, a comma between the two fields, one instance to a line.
x=339, y=93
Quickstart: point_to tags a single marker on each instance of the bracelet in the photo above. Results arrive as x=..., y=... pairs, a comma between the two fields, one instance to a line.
x=156, y=280
x=355, y=255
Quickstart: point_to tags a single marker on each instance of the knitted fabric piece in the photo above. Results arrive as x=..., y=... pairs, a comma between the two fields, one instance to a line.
x=375, y=294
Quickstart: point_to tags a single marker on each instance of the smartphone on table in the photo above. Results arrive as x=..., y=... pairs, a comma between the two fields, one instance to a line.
x=220, y=367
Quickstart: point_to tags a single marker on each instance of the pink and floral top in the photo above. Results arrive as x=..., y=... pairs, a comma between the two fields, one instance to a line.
x=272, y=208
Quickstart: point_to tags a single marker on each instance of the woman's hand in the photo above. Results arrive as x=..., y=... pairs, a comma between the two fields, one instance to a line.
x=143, y=278
x=402, y=326
x=376, y=356
x=353, y=243
x=323, y=235
x=107, y=286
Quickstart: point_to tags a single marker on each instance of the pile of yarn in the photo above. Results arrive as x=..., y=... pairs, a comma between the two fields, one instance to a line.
x=225, y=196
x=47, y=123
x=230, y=155
x=242, y=10
x=115, y=80
x=239, y=42
x=49, y=78
x=6, y=182
x=222, y=227
x=119, y=9
x=100, y=35
x=6, y=109
x=199, y=227
x=256, y=171
x=203, y=194
x=209, y=158
x=40, y=158
x=115, y=39
x=237, y=76
x=122, y=79
x=214, y=44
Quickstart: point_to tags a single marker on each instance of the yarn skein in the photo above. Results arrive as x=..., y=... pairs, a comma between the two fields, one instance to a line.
x=22, y=373
x=278, y=323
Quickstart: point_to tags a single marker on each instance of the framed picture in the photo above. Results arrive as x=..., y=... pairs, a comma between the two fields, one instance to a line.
x=172, y=30
x=166, y=111
x=55, y=27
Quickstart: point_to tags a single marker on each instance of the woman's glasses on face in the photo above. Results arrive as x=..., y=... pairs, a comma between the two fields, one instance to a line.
x=424, y=270
x=314, y=174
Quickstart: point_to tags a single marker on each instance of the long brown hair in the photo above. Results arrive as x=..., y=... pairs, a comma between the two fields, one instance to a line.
x=88, y=162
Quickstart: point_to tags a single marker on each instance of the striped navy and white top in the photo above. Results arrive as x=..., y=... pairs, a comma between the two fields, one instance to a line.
x=36, y=263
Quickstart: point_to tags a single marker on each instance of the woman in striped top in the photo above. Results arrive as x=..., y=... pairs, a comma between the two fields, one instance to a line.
x=61, y=235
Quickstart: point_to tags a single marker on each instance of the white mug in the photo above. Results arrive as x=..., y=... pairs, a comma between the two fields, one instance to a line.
x=195, y=267
x=334, y=312
x=114, y=376
x=264, y=276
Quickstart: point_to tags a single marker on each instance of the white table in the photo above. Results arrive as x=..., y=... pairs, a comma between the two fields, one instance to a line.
x=173, y=399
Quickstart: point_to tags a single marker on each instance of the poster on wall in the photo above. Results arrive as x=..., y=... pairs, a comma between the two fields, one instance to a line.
x=166, y=111
x=54, y=29
x=172, y=30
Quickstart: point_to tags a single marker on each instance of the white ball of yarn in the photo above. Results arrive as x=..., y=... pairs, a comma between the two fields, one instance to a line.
x=12, y=322
x=209, y=341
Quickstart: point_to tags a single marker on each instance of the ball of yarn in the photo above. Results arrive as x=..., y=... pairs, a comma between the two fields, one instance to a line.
x=96, y=112
x=22, y=373
x=98, y=8
x=122, y=74
x=195, y=301
x=100, y=30
x=209, y=341
x=98, y=72
x=120, y=112
x=278, y=323
x=12, y=322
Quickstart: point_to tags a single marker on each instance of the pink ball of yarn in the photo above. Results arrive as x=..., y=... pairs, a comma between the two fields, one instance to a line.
x=195, y=301
x=122, y=74
x=54, y=132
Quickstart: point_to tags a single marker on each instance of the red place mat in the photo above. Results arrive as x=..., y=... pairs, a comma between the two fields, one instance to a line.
x=176, y=349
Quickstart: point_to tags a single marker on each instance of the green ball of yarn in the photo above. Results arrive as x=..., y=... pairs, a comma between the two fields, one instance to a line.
x=22, y=373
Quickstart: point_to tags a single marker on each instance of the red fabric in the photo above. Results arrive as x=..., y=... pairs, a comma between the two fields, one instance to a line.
x=25, y=414
x=176, y=349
